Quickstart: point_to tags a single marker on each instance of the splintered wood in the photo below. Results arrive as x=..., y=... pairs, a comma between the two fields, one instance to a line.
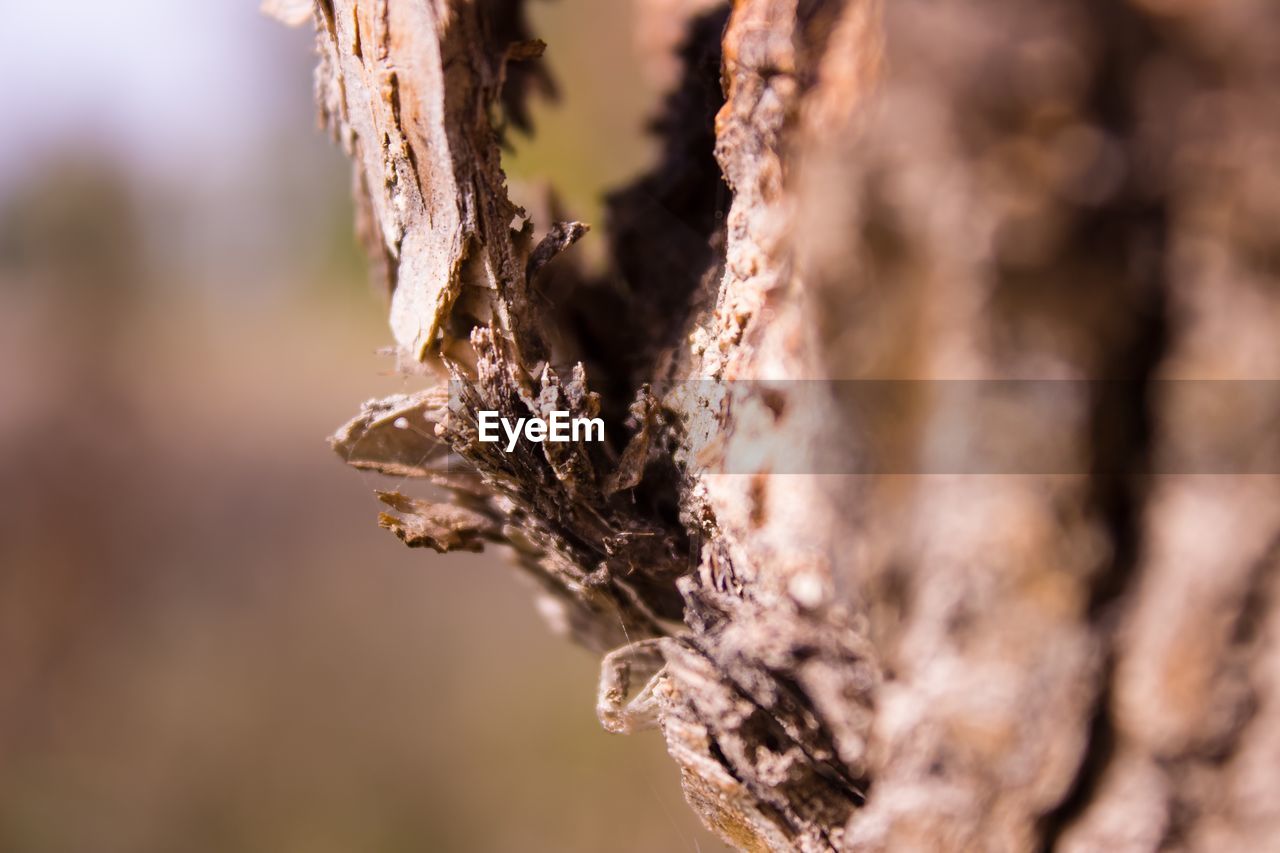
x=845, y=652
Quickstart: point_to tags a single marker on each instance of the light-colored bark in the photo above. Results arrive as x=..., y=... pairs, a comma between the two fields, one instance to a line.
x=874, y=652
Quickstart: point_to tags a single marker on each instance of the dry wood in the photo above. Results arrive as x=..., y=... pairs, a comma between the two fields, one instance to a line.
x=884, y=656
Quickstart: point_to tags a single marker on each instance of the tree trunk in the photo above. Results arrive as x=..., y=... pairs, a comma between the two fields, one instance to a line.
x=925, y=519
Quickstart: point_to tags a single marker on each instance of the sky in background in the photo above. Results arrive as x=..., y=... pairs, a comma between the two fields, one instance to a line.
x=157, y=84
x=200, y=99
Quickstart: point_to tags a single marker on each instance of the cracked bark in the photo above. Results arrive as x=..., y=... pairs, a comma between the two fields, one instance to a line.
x=896, y=658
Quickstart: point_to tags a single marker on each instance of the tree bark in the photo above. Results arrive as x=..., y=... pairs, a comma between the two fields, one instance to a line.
x=927, y=519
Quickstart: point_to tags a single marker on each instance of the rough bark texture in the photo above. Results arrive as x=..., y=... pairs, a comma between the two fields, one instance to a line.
x=893, y=656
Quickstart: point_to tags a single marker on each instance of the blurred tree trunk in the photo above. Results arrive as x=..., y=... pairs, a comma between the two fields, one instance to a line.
x=886, y=599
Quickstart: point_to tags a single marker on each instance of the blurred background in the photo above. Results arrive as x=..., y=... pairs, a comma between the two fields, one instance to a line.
x=206, y=643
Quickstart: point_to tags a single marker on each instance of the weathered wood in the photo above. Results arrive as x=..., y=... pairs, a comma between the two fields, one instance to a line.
x=847, y=645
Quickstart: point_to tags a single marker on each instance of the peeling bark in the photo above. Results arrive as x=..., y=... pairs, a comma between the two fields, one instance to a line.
x=847, y=645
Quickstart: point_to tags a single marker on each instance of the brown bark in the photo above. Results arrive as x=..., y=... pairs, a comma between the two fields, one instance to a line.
x=848, y=644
